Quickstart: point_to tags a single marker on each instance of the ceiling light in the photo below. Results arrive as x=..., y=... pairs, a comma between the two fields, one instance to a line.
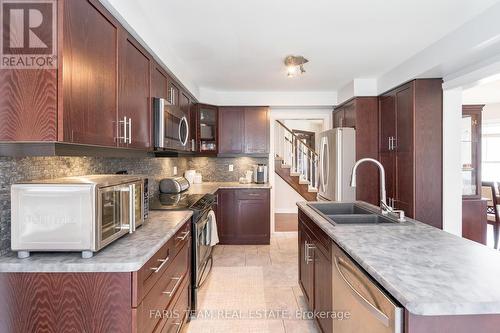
x=295, y=65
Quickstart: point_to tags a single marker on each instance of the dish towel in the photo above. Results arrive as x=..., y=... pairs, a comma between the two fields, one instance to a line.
x=213, y=238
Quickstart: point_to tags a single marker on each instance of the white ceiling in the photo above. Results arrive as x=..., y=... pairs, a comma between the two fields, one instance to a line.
x=229, y=45
x=485, y=93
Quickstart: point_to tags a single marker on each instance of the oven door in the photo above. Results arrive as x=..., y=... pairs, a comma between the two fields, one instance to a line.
x=171, y=126
x=203, y=249
x=115, y=212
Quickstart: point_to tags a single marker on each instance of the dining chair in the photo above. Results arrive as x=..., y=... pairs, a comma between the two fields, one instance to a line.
x=490, y=191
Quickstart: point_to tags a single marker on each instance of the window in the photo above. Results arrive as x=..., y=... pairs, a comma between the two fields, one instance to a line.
x=490, y=153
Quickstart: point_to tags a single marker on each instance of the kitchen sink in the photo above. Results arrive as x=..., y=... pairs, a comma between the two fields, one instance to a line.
x=338, y=208
x=359, y=219
x=349, y=213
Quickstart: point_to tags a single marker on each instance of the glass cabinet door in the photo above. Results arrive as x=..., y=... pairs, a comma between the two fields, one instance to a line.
x=207, y=129
x=471, y=152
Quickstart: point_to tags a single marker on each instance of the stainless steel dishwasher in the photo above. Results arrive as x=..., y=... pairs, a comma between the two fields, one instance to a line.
x=371, y=309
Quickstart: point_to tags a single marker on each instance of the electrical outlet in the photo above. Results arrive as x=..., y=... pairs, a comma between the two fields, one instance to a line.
x=175, y=171
x=231, y=167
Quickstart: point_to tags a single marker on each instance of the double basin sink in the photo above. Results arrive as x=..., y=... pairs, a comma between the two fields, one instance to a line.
x=350, y=213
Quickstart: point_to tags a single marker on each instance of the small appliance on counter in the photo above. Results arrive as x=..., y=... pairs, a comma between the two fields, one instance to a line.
x=84, y=213
x=260, y=173
x=174, y=196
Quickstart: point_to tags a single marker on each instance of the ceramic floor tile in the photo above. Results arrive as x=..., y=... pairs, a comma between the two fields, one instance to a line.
x=300, y=326
x=258, y=260
x=250, y=281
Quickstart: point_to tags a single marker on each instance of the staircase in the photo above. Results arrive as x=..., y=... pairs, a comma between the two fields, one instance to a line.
x=295, y=162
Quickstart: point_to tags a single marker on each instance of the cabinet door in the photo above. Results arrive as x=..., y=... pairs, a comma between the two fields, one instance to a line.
x=306, y=268
x=404, y=150
x=159, y=82
x=338, y=118
x=206, y=125
x=349, y=115
x=226, y=222
x=323, y=298
x=173, y=92
x=388, y=160
x=253, y=216
x=256, y=130
x=89, y=75
x=134, y=101
x=387, y=122
x=231, y=132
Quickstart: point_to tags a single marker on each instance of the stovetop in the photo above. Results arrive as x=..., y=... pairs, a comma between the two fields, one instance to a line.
x=182, y=201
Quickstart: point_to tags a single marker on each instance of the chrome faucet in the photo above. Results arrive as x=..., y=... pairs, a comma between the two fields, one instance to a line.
x=386, y=209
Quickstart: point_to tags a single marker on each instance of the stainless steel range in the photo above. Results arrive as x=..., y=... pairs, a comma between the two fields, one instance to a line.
x=203, y=220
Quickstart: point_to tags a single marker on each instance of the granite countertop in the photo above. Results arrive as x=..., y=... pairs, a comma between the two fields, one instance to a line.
x=429, y=271
x=212, y=187
x=127, y=254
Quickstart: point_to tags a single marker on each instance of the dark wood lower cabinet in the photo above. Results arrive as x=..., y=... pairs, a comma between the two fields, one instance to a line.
x=474, y=220
x=315, y=270
x=136, y=302
x=243, y=216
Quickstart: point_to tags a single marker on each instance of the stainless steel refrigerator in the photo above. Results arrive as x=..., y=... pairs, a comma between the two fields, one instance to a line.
x=337, y=155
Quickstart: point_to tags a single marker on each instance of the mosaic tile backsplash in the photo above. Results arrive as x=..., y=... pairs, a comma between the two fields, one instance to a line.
x=13, y=170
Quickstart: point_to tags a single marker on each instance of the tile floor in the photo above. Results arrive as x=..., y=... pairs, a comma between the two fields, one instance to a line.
x=253, y=288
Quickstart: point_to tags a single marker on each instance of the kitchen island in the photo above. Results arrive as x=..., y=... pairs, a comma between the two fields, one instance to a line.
x=444, y=282
x=129, y=286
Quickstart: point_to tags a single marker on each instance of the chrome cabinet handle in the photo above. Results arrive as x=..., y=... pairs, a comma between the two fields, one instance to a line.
x=369, y=306
x=254, y=194
x=184, y=236
x=129, y=130
x=125, y=136
x=163, y=262
x=390, y=140
x=171, y=292
x=307, y=256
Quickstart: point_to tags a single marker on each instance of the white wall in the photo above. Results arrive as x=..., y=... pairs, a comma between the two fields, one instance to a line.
x=285, y=197
x=491, y=113
x=452, y=173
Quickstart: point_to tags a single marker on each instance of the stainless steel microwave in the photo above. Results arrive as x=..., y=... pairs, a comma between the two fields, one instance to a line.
x=75, y=213
x=171, y=126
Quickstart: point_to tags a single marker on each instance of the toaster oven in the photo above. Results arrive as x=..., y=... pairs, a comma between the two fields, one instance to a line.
x=75, y=213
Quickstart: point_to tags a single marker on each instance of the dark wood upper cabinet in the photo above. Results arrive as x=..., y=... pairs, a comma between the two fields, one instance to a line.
x=28, y=105
x=134, y=94
x=410, y=148
x=256, y=130
x=159, y=82
x=205, y=124
x=243, y=130
x=338, y=118
x=100, y=91
x=89, y=74
x=231, y=130
x=388, y=125
x=361, y=113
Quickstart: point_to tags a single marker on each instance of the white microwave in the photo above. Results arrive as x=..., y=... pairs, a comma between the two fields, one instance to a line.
x=75, y=213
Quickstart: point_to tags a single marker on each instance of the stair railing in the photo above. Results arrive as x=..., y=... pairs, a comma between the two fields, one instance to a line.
x=294, y=152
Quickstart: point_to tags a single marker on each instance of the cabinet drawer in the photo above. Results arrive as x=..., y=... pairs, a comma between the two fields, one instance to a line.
x=151, y=311
x=260, y=194
x=145, y=278
x=182, y=236
x=320, y=238
x=177, y=314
